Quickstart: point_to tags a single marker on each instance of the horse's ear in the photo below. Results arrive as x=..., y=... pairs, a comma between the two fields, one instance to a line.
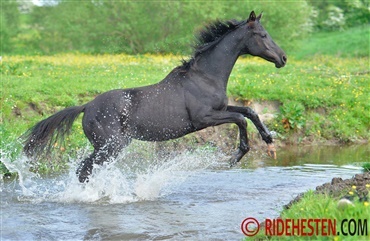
x=252, y=17
x=259, y=17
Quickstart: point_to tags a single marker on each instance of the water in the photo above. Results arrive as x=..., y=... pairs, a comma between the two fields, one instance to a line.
x=191, y=196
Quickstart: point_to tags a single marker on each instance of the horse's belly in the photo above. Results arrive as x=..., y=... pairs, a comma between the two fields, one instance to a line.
x=159, y=123
x=151, y=130
x=159, y=113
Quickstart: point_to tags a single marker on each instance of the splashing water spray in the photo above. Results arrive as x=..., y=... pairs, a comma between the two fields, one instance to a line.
x=123, y=180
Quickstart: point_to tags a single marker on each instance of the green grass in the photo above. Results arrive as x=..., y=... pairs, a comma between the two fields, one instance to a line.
x=313, y=206
x=37, y=86
x=366, y=167
x=322, y=98
x=34, y=87
x=353, y=42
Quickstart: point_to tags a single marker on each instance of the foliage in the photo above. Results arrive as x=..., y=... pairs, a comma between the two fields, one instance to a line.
x=340, y=14
x=158, y=27
x=335, y=18
x=9, y=25
x=145, y=27
x=292, y=115
x=366, y=166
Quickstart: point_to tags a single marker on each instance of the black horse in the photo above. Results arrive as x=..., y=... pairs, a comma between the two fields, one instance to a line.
x=190, y=98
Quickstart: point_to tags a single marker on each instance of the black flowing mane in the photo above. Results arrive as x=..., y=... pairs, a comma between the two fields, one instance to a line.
x=208, y=37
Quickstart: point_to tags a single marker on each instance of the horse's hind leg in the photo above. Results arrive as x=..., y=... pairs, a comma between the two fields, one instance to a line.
x=85, y=168
x=107, y=140
x=99, y=156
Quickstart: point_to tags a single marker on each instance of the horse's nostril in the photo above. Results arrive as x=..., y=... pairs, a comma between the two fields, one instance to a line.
x=284, y=59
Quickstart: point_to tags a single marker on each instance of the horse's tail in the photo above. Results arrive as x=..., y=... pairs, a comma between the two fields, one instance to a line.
x=42, y=137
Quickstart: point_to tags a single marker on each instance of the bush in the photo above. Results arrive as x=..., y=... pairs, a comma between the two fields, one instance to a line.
x=293, y=115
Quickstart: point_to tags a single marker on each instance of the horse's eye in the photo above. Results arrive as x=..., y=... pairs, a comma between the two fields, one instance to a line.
x=263, y=35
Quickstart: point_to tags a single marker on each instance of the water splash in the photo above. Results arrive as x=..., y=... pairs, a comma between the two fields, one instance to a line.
x=120, y=181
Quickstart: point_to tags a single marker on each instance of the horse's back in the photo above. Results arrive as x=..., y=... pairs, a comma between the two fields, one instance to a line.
x=153, y=113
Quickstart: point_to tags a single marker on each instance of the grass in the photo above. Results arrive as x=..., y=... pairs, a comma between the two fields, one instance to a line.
x=313, y=206
x=366, y=167
x=323, y=98
x=353, y=42
x=34, y=87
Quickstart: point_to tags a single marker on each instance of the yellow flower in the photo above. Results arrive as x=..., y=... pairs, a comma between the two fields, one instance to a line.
x=367, y=185
x=353, y=187
x=366, y=204
x=350, y=193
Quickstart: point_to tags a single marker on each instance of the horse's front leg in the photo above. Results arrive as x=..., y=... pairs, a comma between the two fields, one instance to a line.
x=262, y=129
x=222, y=117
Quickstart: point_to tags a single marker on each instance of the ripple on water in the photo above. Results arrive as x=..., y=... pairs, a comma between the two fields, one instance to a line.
x=189, y=196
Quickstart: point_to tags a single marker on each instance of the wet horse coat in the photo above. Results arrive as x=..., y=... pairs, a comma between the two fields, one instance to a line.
x=190, y=98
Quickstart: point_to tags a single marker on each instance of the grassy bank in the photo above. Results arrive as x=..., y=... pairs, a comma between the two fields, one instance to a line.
x=323, y=98
x=325, y=207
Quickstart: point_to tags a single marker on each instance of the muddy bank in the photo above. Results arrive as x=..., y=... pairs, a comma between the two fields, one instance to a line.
x=339, y=188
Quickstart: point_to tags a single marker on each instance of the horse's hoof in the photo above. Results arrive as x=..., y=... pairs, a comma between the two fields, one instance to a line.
x=232, y=163
x=271, y=151
x=83, y=178
x=84, y=171
x=83, y=175
x=236, y=158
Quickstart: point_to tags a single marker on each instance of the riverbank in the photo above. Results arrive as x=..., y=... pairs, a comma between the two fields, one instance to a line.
x=321, y=100
x=344, y=203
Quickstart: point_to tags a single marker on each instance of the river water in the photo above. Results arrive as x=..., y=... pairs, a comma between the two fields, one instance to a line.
x=189, y=196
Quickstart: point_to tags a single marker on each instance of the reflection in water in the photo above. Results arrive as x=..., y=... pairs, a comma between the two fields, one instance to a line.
x=189, y=196
x=300, y=155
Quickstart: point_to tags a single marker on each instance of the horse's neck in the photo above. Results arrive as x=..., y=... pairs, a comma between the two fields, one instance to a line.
x=218, y=62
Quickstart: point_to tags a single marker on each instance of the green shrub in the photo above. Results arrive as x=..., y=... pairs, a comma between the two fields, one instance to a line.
x=293, y=115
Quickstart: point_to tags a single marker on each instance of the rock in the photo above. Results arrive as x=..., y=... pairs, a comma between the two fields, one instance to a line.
x=336, y=180
x=344, y=203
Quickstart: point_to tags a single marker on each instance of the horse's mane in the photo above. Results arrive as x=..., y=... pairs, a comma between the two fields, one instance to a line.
x=208, y=37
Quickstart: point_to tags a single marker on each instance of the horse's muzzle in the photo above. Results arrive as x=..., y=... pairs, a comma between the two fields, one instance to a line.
x=281, y=62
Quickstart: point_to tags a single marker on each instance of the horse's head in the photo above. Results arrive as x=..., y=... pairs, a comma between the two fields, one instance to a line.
x=259, y=43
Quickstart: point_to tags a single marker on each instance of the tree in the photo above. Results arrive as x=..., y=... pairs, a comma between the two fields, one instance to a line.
x=106, y=26
x=9, y=25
